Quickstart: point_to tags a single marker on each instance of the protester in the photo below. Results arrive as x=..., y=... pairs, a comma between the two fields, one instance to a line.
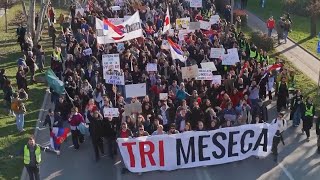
x=307, y=118
x=18, y=108
x=282, y=126
x=74, y=120
x=270, y=25
x=318, y=133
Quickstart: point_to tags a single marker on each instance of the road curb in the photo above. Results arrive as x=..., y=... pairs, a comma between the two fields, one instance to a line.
x=41, y=114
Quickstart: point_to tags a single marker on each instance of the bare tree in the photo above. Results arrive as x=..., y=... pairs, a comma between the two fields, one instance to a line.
x=31, y=17
x=6, y=4
x=44, y=6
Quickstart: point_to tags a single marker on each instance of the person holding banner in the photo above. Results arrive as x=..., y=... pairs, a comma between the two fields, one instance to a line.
x=124, y=132
x=282, y=126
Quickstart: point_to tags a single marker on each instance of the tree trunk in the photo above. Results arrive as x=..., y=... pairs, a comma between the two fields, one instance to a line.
x=44, y=4
x=313, y=28
x=5, y=15
x=24, y=9
x=31, y=23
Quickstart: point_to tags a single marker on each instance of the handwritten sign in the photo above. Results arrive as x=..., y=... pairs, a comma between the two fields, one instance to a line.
x=163, y=96
x=216, y=79
x=110, y=112
x=205, y=25
x=136, y=90
x=195, y=3
x=110, y=62
x=152, y=67
x=209, y=65
x=182, y=23
x=87, y=52
x=215, y=19
x=216, y=52
x=114, y=77
x=189, y=72
x=194, y=25
x=120, y=47
x=231, y=58
x=132, y=108
x=204, y=74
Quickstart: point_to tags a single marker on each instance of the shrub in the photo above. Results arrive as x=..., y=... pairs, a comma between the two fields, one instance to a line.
x=243, y=15
x=262, y=41
x=297, y=7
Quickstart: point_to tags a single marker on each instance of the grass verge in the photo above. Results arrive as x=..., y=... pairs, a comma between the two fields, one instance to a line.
x=11, y=142
x=300, y=28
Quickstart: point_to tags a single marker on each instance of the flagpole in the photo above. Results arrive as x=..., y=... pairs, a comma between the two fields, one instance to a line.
x=69, y=97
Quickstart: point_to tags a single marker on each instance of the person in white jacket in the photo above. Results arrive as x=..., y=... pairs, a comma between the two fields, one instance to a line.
x=282, y=126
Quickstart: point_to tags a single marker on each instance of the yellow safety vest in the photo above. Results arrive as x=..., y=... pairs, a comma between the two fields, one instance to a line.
x=56, y=56
x=26, y=154
x=253, y=54
x=309, y=111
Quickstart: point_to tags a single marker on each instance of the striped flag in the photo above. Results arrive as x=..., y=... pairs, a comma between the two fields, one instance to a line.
x=57, y=136
x=176, y=51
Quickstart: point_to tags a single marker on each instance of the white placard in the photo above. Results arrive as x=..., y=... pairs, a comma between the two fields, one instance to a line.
x=110, y=62
x=116, y=21
x=79, y=11
x=231, y=58
x=189, y=72
x=204, y=74
x=209, y=65
x=152, y=67
x=136, y=90
x=120, y=47
x=110, y=112
x=197, y=148
x=165, y=44
x=216, y=52
x=215, y=19
x=216, y=79
x=114, y=77
x=194, y=25
x=195, y=3
x=205, y=25
x=118, y=3
x=163, y=96
x=183, y=23
x=87, y=52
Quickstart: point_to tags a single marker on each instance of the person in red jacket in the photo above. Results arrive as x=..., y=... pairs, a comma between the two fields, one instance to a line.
x=270, y=25
x=74, y=121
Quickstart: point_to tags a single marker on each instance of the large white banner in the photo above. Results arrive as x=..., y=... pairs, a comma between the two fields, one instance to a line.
x=129, y=29
x=193, y=149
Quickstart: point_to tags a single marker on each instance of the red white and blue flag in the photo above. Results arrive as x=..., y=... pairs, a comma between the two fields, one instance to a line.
x=57, y=136
x=166, y=23
x=271, y=68
x=176, y=51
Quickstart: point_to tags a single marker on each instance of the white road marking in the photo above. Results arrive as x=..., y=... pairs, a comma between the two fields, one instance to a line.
x=285, y=171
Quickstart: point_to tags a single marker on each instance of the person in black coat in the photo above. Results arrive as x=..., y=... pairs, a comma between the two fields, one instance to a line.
x=63, y=107
x=318, y=133
x=110, y=134
x=97, y=125
x=53, y=120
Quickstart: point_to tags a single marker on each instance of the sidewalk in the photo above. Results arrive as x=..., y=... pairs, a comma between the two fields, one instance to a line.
x=301, y=59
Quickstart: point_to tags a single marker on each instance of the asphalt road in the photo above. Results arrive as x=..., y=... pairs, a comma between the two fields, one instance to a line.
x=298, y=159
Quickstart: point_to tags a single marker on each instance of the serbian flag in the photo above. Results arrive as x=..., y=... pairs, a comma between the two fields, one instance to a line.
x=245, y=66
x=271, y=68
x=166, y=25
x=176, y=51
x=57, y=136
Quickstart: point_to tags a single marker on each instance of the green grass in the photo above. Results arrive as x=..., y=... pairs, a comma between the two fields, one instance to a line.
x=11, y=142
x=301, y=25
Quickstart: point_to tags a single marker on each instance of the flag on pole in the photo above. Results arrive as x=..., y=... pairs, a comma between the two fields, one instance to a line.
x=176, y=51
x=271, y=68
x=54, y=82
x=57, y=136
x=166, y=24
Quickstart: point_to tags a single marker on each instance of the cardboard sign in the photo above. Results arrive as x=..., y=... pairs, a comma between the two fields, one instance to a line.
x=114, y=77
x=183, y=23
x=152, y=67
x=194, y=25
x=110, y=112
x=216, y=79
x=163, y=96
x=204, y=74
x=205, y=25
x=216, y=52
x=231, y=58
x=116, y=21
x=136, y=90
x=110, y=62
x=132, y=108
x=209, y=65
x=215, y=19
x=195, y=3
x=189, y=72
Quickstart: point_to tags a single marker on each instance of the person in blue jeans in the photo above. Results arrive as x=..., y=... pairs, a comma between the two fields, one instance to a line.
x=17, y=106
x=297, y=108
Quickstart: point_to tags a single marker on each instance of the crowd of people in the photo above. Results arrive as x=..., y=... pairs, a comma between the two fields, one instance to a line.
x=192, y=105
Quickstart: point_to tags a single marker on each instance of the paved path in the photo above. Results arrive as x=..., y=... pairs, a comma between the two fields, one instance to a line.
x=301, y=59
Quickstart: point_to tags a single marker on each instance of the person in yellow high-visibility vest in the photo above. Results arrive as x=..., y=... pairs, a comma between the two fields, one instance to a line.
x=253, y=52
x=307, y=116
x=32, y=158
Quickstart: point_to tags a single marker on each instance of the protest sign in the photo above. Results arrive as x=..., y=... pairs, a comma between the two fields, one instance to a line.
x=204, y=74
x=205, y=25
x=79, y=11
x=216, y=79
x=116, y=21
x=114, y=77
x=118, y=3
x=182, y=23
x=110, y=62
x=194, y=25
x=163, y=96
x=195, y=3
x=196, y=148
x=110, y=112
x=209, y=65
x=214, y=19
x=231, y=58
x=165, y=44
x=189, y=72
x=216, y=52
x=152, y=67
x=87, y=52
x=120, y=47
x=132, y=108
x=136, y=90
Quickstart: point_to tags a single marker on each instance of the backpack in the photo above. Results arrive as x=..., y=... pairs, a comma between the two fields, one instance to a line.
x=15, y=106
